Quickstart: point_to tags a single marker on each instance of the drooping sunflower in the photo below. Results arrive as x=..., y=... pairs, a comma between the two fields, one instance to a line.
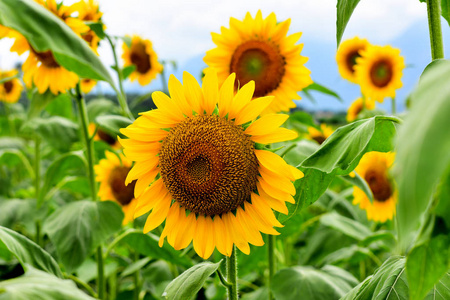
x=111, y=173
x=258, y=49
x=357, y=106
x=41, y=68
x=141, y=55
x=320, y=135
x=101, y=135
x=346, y=56
x=379, y=71
x=10, y=90
x=374, y=169
x=217, y=184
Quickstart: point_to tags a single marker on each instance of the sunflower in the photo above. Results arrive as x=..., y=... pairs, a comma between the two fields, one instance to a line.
x=217, y=185
x=379, y=72
x=101, y=135
x=346, y=57
x=88, y=11
x=259, y=50
x=374, y=168
x=87, y=85
x=141, y=55
x=111, y=173
x=320, y=135
x=10, y=90
x=41, y=68
x=357, y=106
x=3, y=31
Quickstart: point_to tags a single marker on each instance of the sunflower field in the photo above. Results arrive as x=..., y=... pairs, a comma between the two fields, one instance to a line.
x=217, y=185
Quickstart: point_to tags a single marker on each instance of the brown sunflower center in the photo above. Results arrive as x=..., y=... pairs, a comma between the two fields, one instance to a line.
x=381, y=73
x=123, y=193
x=106, y=137
x=351, y=60
x=379, y=184
x=8, y=86
x=259, y=61
x=140, y=58
x=319, y=138
x=46, y=58
x=208, y=165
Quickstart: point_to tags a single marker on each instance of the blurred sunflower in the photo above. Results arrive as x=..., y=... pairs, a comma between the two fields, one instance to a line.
x=41, y=68
x=379, y=71
x=374, y=168
x=10, y=90
x=141, y=55
x=87, y=85
x=357, y=106
x=3, y=31
x=259, y=50
x=101, y=135
x=111, y=173
x=346, y=56
x=320, y=135
x=216, y=187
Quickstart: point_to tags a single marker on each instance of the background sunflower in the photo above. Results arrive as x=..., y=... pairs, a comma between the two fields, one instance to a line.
x=346, y=56
x=10, y=90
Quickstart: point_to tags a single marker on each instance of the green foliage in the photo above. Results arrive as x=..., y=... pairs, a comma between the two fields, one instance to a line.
x=360, y=183
x=190, y=281
x=113, y=123
x=309, y=283
x=321, y=89
x=344, y=11
x=445, y=10
x=77, y=228
x=17, y=211
x=347, y=226
x=27, y=252
x=441, y=290
x=61, y=106
x=100, y=106
x=45, y=31
x=422, y=156
x=13, y=157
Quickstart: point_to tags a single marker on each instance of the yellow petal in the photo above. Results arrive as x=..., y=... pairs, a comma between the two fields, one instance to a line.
x=279, y=135
x=210, y=91
x=264, y=210
x=193, y=92
x=177, y=94
x=226, y=95
x=145, y=135
x=190, y=228
x=158, y=214
x=251, y=234
x=253, y=109
x=140, y=168
x=144, y=181
x=266, y=124
x=242, y=98
x=279, y=181
x=147, y=201
x=259, y=222
x=223, y=242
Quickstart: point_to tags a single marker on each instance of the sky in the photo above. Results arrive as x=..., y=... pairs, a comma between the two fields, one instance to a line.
x=180, y=31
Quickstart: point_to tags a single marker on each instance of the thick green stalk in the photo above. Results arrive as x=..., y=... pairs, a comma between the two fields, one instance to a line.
x=37, y=184
x=101, y=283
x=434, y=25
x=232, y=275
x=271, y=261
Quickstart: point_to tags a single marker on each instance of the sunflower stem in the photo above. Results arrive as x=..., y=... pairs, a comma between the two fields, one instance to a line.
x=37, y=184
x=101, y=283
x=393, y=106
x=232, y=275
x=434, y=25
x=121, y=95
x=81, y=283
x=271, y=260
x=12, y=127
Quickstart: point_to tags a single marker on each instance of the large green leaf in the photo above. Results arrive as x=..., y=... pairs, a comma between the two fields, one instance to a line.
x=344, y=10
x=321, y=89
x=308, y=283
x=12, y=157
x=17, y=211
x=445, y=10
x=27, y=252
x=45, y=31
x=100, y=106
x=345, y=225
x=190, y=281
x=441, y=291
x=342, y=151
x=113, y=123
x=423, y=154
x=77, y=228
x=426, y=264
x=35, y=284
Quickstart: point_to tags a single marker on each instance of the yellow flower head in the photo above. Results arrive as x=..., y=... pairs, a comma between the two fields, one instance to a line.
x=10, y=90
x=87, y=85
x=88, y=11
x=374, y=169
x=320, y=135
x=216, y=186
x=346, y=57
x=379, y=72
x=357, y=106
x=3, y=31
x=102, y=135
x=111, y=173
x=141, y=55
x=259, y=49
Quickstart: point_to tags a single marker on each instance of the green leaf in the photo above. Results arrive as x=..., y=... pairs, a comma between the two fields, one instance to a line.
x=136, y=266
x=17, y=211
x=61, y=106
x=300, y=152
x=113, y=123
x=322, y=89
x=342, y=151
x=422, y=157
x=45, y=31
x=300, y=121
x=441, y=291
x=445, y=10
x=127, y=71
x=98, y=28
x=14, y=157
x=426, y=264
x=35, y=284
x=77, y=228
x=127, y=41
x=360, y=183
x=443, y=196
x=344, y=10
x=312, y=284
x=27, y=252
x=38, y=102
x=190, y=281
x=345, y=225
x=147, y=244
x=100, y=106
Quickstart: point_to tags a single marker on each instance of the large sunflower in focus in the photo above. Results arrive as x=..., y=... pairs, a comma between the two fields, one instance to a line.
x=346, y=56
x=111, y=173
x=379, y=72
x=259, y=50
x=374, y=169
x=217, y=186
x=10, y=90
x=144, y=58
x=357, y=107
